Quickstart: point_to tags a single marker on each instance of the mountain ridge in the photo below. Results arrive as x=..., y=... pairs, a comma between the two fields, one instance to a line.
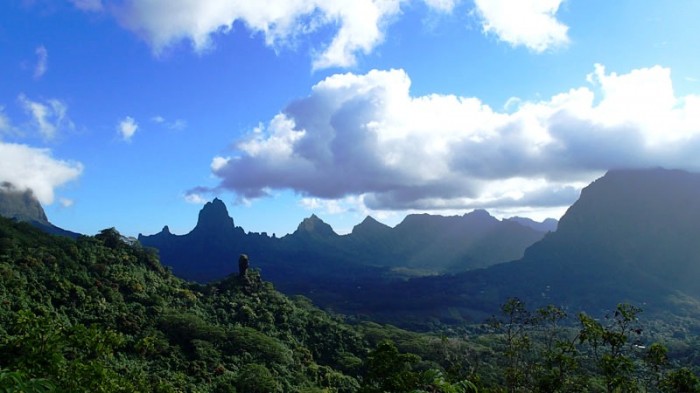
x=316, y=249
x=22, y=205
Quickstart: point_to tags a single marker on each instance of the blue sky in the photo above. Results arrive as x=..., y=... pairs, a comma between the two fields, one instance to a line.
x=132, y=113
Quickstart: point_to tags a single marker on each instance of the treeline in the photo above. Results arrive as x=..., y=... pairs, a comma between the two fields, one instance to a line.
x=99, y=314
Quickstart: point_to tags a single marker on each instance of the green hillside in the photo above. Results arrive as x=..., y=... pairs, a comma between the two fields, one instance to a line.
x=98, y=314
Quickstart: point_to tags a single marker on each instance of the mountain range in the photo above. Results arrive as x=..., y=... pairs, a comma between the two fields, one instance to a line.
x=632, y=236
x=420, y=245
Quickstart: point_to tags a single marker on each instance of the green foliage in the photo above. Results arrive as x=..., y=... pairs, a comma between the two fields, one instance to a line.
x=98, y=314
x=389, y=371
x=681, y=380
x=16, y=382
x=256, y=378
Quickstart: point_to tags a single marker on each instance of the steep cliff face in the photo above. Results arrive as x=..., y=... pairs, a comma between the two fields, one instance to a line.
x=22, y=205
x=643, y=222
x=214, y=218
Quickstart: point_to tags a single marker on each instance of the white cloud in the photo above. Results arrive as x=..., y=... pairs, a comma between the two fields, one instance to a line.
x=65, y=202
x=442, y=5
x=48, y=116
x=42, y=63
x=195, y=198
x=359, y=23
x=332, y=206
x=530, y=23
x=365, y=136
x=177, y=124
x=127, y=128
x=31, y=168
x=5, y=124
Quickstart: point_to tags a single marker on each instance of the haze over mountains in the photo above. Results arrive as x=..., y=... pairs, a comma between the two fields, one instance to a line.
x=633, y=236
x=420, y=245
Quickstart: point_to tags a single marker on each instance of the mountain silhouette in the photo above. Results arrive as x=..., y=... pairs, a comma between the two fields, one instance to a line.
x=24, y=206
x=632, y=236
x=315, y=257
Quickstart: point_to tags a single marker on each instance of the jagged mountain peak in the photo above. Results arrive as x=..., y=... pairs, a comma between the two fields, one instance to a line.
x=20, y=205
x=316, y=226
x=214, y=216
x=548, y=225
x=481, y=216
x=370, y=226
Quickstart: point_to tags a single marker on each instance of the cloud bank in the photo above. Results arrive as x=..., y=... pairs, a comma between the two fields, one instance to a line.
x=365, y=136
x=357, y=26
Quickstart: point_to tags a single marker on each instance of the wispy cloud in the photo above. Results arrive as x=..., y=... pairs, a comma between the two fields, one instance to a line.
x=88, y=5
x=195, y=198
x=42, y=62
x=127, y=127
x=48, y=116
x=5, y=124
x=177, y=124
x=366, y=136
x=65, y=202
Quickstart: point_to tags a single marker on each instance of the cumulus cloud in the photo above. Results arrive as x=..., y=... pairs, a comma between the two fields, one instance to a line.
x=530, y=23
x=29, y=168
x=358, y=26
x=359, y=23
x=49, y=116
x=42, y=62
x=366, y=136
x=127, y=128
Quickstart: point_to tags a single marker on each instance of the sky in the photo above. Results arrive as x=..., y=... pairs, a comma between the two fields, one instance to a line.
x=133, y=113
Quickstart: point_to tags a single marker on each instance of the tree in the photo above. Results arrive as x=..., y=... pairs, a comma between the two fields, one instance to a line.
x=611, y=344
x=387, y=370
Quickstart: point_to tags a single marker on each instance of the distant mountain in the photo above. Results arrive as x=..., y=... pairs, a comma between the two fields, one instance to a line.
x=23, y=206
x=314, y=259
x=548, y=225
x=430, y=244
x=633, y=236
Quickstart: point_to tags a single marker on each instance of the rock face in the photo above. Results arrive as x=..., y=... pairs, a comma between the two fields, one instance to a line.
x=315, y=227
x=20, y=205
x=548, y=225
x=422, y=244
x=631, y=229
x=633, y=236
x=23, y=206
x=213, y=218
